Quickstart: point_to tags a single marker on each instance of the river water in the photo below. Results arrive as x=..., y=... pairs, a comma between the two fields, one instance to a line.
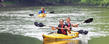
x=17, y=27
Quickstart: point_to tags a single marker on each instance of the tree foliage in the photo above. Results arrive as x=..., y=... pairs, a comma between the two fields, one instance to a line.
x=54, y=2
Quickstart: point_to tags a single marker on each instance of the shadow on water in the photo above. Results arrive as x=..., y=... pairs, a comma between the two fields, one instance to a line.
x=6, y=38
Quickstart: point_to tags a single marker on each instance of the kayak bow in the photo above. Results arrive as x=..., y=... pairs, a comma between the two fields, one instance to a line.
x=42, y=15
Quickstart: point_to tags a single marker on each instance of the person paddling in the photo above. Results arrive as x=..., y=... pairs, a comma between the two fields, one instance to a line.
x=69, y=25
x=62, y=29
x=42, y=11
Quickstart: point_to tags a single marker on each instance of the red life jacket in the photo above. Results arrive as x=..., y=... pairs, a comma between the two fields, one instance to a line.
x=69, y=25
x=42, y=11
x=62, y=26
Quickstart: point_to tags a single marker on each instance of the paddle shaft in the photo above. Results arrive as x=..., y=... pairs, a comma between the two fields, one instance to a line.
x=42, y=25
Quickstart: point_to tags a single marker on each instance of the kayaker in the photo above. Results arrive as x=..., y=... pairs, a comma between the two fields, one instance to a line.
x=42, y=11
x=69, y=25
x=62, y=29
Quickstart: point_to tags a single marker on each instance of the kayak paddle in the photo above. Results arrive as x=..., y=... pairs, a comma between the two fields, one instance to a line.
x=42, y=25
x=53, y=28
x=39, y=24
x=31, y=14
x=49, y=12
x=88, y=20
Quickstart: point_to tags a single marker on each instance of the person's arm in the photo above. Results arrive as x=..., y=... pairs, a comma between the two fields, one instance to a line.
x=68, y=29
x=74, y=25
x=66, y=26
x=54, y=28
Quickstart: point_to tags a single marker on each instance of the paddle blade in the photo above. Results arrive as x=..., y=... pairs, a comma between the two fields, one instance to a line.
x=83, y=32
x=39, y=24
x=36, y=23
x=88, y=20
x=51, y=11
x=31, y=14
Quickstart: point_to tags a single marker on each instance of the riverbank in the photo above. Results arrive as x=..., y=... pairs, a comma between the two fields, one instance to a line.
x=29, y=4
x=20, y=7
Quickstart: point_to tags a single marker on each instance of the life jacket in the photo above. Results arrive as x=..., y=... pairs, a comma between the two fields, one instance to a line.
x=62, y=31
x=62, y=26
x=68, y=25
x=42, y=11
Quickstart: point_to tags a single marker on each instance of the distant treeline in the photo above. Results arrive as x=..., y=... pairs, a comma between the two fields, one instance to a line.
x=60, y=2
x=96, y=2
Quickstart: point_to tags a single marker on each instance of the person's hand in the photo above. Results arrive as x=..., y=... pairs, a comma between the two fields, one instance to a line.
x=75, y=25
x=57, y=27
x=69, y=30
x=53, y=28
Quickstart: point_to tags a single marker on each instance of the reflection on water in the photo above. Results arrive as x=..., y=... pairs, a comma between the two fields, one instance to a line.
x=65, y=42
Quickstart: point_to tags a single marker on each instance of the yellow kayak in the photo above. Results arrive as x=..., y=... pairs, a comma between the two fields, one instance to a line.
x=61, y=36
x=61, y=42
x=42, y=15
